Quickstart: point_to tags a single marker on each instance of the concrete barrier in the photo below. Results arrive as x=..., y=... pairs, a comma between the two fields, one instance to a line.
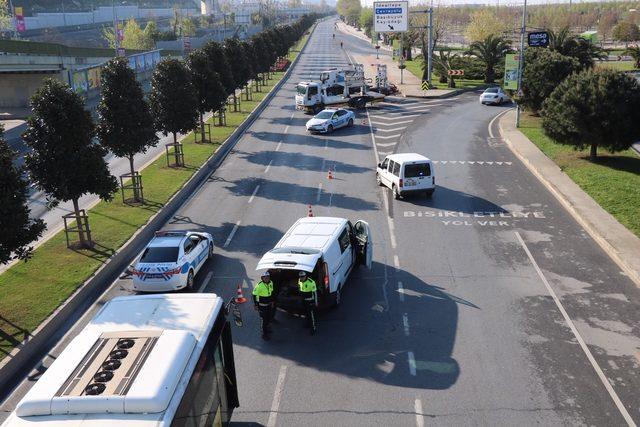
x=25, y=357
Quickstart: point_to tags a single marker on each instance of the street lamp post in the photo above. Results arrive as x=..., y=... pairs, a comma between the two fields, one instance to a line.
x=523, y=30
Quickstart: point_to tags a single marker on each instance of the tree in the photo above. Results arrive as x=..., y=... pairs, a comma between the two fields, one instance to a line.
x=444, y=62
x=221, y=65
x=208, y=86
x=17, y=230
x=349, y=10
x=151, y=34
x=5, y=16
x=125, y=125
x=64, y=162
x=634, y=52
x=483, y=24
x=366, y=20
x=187, y=27
x=173, y=99
x=626, y=32
x=236, y=53
x=567, y=44
x=605, y=25
x=544, y=70
x=490, y=51
x=594, y=109
x=133, y=37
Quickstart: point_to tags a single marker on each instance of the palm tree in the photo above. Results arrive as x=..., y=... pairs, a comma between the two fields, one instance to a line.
x=444, y=62
x=490, y=51
x=634, y=52
x=568, y=44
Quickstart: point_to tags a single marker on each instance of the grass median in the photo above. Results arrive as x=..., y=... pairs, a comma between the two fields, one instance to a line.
x=613, y=181
x=31, y=291
x=415, y=68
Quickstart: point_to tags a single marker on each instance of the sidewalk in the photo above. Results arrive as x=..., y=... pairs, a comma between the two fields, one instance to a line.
x=411, y=86
x=619, y=243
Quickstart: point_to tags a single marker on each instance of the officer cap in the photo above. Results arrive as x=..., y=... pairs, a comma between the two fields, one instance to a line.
x=265, y=274
x=302, y=274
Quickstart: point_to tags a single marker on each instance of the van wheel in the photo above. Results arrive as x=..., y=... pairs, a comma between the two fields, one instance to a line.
x=378, y=179
x=429, y=193
x=396, y=193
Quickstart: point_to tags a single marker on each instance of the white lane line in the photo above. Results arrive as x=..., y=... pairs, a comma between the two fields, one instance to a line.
x=326, y=144
x=390, y=223
x=576, y=334
x=292, y=115
x=286, y=128
x=387, y=137
x=254, y=193
x=206, y=281
x=386, y=144
x=233, y=232
x=373, y=140
x=277, y=397
x=417, y=406
x=391, y=130
x=396, y=261
x=268, y=166
x=278, y=146
x=394, y=123
x=385, y=117
x=385, y=153
x=412, y=363
x=493, y=120
x=400, y=292
x=319, y=193
x=405, y=324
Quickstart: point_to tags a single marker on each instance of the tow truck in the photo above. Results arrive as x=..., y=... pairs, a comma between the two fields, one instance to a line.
x=338, y=87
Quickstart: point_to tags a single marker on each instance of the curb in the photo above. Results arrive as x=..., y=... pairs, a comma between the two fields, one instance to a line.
x=450, y=94
x=625, y=252
x=17, y=364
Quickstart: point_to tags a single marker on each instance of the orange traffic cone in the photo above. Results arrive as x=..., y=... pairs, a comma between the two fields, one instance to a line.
x=330, y=176
x=310, y=212
x=240, y=299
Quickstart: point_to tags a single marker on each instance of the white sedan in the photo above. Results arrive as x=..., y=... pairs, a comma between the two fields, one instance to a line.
x=329, y=120
x=494, y=96
x=171, y=260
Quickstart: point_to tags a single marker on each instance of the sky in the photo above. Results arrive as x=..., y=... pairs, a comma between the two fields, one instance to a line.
x=486, y=2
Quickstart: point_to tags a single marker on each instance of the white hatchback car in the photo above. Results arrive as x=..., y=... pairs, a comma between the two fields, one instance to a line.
x=326, y=121
x=171, y=260
x=493, y=96
x=407, y=173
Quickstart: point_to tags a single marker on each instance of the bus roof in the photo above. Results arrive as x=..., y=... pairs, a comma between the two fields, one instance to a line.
x=129, y=366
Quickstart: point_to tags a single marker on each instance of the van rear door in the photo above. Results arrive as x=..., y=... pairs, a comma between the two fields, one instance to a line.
x=364, y=242
x=417, y=176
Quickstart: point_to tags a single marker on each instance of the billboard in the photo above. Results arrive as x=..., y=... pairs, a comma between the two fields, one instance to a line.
x=511, y=71
x=538, y=39
x=390, y=16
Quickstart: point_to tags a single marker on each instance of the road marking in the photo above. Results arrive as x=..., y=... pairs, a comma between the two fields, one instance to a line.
x=386, y=144
x=273, y=414
x=494, y=119
x=326, y=144
x=391, y=130
x=233, y=232
x=254, y=193
x=400, y=291
x=387, y=137
x=278, y=146
x=286, y=128
x=292, y=115
x=417, y=406
x=576, y=334
x=373, y=140
x=385, y=117
x=396, y=262
x=390, y=223
x=319, y=193
x=405, y=324
x=412, y=363
x=268, y=166
x=472, y=162
x=394, y=123
x=206, y=281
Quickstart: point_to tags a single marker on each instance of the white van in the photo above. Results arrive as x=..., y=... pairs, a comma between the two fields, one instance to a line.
x=326, y=248
x=406, y=173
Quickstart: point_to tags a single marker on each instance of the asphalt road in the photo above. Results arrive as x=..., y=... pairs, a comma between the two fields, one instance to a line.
x=486, y=305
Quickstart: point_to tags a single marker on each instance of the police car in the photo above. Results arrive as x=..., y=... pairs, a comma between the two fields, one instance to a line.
x=171, y=260
x=328, y=120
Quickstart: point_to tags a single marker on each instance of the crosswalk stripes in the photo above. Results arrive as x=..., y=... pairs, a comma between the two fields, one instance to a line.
x=471, y=162
x=392, y=130
x=387, y=137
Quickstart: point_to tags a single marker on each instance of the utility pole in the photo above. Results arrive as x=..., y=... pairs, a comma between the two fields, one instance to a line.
x=430, y=47
x=523, y=30
x=115, y=26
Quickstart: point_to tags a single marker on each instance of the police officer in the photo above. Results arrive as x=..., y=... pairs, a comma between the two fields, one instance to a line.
x=309, y=294
x=263, y=300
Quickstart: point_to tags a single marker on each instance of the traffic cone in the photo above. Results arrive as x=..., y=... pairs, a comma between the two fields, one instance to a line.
x=310, y=212
x=240, y=299
x=330, y=176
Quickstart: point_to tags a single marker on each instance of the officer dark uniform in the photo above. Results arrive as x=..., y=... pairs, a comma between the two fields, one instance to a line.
x=263, y=301
x=309, y=293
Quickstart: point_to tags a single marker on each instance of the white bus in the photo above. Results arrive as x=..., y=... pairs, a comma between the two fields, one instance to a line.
x=148, y=360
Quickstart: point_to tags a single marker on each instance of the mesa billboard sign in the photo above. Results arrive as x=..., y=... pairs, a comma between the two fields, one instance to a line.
x=538, y=39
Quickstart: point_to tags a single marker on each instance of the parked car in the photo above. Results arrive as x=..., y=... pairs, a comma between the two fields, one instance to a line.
x=406, y=173
x=326, y=248
x=493, y=96
x=329, y=120
x=171, y=260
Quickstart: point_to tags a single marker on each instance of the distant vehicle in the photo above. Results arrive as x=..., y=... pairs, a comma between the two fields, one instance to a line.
x=406, y=173
x=171, y=260
x=327, y=248
x=144, y=360
x=494, y=96
x=329, y=120
x=336, y=87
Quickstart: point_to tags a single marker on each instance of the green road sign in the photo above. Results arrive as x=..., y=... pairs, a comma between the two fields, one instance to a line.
x=511, y=71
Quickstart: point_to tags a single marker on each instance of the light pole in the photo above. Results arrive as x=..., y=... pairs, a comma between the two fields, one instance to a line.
x=430, y=47
x=523, y=30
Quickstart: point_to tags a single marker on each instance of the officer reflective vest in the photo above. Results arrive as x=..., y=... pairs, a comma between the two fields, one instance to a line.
x=308, y=289
x=262, y=292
